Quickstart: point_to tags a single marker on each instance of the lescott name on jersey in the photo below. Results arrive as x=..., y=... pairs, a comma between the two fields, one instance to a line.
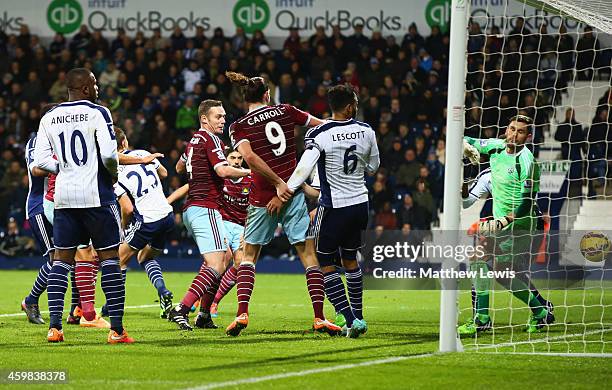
x=347, y=136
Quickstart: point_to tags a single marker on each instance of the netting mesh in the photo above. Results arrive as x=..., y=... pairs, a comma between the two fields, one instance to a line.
x=596, y=13
x=527, y=61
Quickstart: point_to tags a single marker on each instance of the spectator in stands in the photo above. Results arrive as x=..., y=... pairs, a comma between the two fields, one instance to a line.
x=571, y=136
x=192, y=75
x=598, y=151
x=587, y=54
x=408, y=172
x=380, y=195
x=424, y=199
x=12, y=243
x=187, y=116
x=386, y=217
x=412, y=37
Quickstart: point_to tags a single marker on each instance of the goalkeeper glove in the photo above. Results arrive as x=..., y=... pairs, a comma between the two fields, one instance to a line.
x=471, y=153
x=492, y=226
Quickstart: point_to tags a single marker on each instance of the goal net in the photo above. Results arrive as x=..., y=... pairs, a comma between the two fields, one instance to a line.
x=549, y=61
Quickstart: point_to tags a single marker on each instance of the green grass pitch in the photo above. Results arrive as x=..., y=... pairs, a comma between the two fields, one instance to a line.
x=277, y=351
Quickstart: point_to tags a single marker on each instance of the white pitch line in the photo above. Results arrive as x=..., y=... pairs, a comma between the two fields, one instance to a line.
x=542, y=340
x=47, y=311
x=147, y=306
x=562, y=354
x=292, y=374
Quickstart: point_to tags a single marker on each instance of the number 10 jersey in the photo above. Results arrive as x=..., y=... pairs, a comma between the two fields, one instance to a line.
x=81, y=135
x=270, y=132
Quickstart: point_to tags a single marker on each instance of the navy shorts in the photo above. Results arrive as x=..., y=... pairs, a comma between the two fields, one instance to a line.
x=43, y=232
x=141, y=234
x=74, y=227
x=338, y=232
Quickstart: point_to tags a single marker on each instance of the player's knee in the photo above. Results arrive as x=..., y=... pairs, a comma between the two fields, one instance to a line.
x=350, y=264
x=327, y=260
x=107, y=254
x=64, y=255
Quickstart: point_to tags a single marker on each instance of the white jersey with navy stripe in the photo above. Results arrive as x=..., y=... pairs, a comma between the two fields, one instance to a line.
x=81, y=135
x=141, y=182
x=346, y=149
x=481, y=188
x=37, y=185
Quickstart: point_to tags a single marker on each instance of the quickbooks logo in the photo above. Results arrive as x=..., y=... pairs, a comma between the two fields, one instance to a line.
x=251, y=15
x=437, y=12
x=64, y=16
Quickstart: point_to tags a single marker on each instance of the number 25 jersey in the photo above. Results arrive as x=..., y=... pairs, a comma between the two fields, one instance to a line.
x=270, y=131
x=141, y=182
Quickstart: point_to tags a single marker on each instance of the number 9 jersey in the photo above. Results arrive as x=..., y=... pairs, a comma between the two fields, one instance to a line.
x=270, y=131
x=142, y=184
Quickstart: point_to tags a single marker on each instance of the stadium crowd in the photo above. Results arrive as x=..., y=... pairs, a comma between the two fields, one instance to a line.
x=153, y=85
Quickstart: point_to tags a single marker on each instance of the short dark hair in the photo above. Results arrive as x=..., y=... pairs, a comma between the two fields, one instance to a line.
x=340, y=96
x=77, y=77
x=521, y=118
x=119, y=136
x=206, y=105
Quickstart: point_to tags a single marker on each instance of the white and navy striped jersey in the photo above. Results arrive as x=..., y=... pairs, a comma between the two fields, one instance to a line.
x=37, y=185
x=347, y=149
x=81, y=135
x=480, y=188
x=142, y=184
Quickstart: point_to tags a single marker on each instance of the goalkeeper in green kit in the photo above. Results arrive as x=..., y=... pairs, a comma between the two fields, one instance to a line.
x=515, y=178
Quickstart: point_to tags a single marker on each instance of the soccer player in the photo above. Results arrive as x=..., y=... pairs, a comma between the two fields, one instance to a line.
x=81, y=135
x=206, y=165
x=234, y=203
x=481, y=189
x=41, y=227
x=83, y=275
x=143, y=201
x=265, y=138
x=515, y=177
x=343, y=149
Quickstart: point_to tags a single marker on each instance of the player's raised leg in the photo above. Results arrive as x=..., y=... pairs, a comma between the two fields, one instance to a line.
x=206, y=227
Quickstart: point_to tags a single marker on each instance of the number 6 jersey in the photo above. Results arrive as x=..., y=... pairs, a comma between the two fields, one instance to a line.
x=270, y=131
x=346, y=148
x=142, y=184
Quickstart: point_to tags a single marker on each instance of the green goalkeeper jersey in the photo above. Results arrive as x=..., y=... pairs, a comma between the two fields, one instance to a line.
x=515, y=181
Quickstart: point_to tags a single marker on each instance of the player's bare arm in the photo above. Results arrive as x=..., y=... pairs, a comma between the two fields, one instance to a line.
x=178, y=194
x=126, y=159
x=226, y=171
x=310, y=192
x=162, y=172
x=127, y=210
x=181, y=166
x=260, y=166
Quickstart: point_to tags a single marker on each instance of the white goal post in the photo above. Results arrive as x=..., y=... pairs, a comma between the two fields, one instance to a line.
x=594, y=13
